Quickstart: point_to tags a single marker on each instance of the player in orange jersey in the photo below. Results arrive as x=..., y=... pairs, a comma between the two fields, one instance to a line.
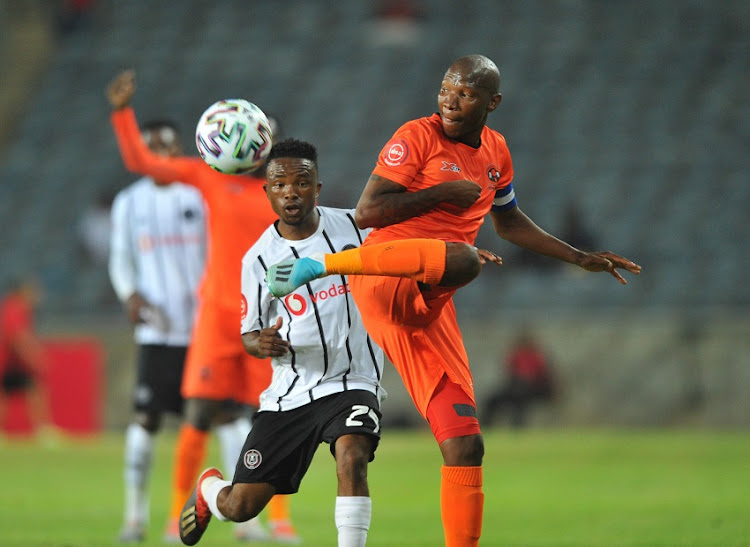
x=219, y=375
x=435, y=181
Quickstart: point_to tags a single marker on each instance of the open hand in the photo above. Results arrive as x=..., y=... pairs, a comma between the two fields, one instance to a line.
x=607, y=261
x=121, y=89
x=486, y=256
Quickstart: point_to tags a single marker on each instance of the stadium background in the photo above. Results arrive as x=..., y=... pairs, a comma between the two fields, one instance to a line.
x=637, y=111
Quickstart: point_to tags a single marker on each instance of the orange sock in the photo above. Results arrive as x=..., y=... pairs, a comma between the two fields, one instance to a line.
x=420, y=259
x=278, y=508
x=461, y=505
x=188, y=458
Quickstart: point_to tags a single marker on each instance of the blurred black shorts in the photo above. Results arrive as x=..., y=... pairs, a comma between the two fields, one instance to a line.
x=17, y=379
x=158, y=378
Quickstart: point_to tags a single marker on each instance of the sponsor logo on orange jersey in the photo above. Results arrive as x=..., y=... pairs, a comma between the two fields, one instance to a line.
x=396, y=153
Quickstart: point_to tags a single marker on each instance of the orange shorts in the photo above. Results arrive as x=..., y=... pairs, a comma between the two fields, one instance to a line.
x=451, y=412
x=417, y=330
x=217, y=366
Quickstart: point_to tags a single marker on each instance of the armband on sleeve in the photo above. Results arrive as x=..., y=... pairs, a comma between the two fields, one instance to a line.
x=505, y=199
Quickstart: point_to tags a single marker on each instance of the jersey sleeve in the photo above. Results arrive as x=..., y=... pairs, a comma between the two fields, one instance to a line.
x=122, y=266
x=403, y=155
x=505, y=195
x=255, y=298
x=138, y=158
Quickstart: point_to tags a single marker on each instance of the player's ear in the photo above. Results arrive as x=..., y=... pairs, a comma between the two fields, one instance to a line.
x=494, y=102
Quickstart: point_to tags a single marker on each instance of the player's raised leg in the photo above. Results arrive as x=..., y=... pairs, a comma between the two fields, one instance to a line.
x=429, y=261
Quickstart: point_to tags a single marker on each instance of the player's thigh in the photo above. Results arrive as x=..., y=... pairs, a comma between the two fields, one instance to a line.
x=451, y=412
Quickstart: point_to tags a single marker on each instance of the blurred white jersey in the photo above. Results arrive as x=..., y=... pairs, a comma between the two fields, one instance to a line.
x=330, y=350
x=158, y=249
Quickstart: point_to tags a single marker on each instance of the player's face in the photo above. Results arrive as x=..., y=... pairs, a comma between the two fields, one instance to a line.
x=292, y=187
x=163, y=141
x=463, y=107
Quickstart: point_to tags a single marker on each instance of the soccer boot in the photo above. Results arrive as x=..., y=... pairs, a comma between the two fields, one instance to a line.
x=195, y=514
x=286, y=276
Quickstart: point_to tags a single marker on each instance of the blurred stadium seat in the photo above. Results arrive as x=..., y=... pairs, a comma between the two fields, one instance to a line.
x=633, y=109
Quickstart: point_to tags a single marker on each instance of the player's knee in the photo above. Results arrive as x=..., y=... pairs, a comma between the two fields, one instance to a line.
x=151, y=422
x=352, y=457
x=239, y=508
x=462, y=264
x=200, y=413
x=463, y=451
x=242, y=501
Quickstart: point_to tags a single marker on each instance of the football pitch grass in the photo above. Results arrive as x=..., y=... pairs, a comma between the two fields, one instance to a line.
x=542, y=487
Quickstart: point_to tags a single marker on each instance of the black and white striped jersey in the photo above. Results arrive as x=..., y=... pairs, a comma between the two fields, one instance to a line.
x=158, y=248
x=330, y=349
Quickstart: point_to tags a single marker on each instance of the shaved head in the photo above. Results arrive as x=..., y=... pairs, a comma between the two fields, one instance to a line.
x=479, y=71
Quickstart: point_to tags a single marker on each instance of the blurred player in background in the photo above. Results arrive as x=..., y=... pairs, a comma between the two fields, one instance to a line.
x=326, y=379
x=434, y=182
x=219, y=377
x=156, y=260
x=528, y=378
x=22, y=359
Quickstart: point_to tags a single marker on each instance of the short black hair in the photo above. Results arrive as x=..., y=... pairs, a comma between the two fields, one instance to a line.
x=293, y=148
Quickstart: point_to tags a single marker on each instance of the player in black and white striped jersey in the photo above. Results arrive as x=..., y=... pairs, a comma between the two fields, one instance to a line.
x=156, y=261
x=330, y=349
x=326, y=369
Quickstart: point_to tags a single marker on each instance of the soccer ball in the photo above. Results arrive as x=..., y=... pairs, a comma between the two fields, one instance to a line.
x=233, y=136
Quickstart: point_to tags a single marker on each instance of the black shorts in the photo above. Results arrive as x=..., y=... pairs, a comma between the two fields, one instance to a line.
x=158, y=378
x=281, y=445
x=17, y=379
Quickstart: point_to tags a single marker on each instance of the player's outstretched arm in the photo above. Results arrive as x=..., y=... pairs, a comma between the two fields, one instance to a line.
x=266, y=343
x=384, y=202
x=134, y=151
x=519, y=229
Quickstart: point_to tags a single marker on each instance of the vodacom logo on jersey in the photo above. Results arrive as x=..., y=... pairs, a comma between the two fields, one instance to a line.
x=298, y=304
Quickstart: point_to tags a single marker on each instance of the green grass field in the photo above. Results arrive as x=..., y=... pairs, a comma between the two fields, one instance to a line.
x=552, y=488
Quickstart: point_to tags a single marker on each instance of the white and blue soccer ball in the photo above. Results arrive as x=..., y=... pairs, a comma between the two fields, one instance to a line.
x=234, y=136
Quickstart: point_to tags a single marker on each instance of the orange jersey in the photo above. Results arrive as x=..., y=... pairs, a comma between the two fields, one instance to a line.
x=419, y=156
x=238, y=210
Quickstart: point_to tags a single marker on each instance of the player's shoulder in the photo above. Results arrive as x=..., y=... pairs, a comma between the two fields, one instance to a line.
x=426, y=125
x=336, y=212
x=494, y=137
x=141, y=185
